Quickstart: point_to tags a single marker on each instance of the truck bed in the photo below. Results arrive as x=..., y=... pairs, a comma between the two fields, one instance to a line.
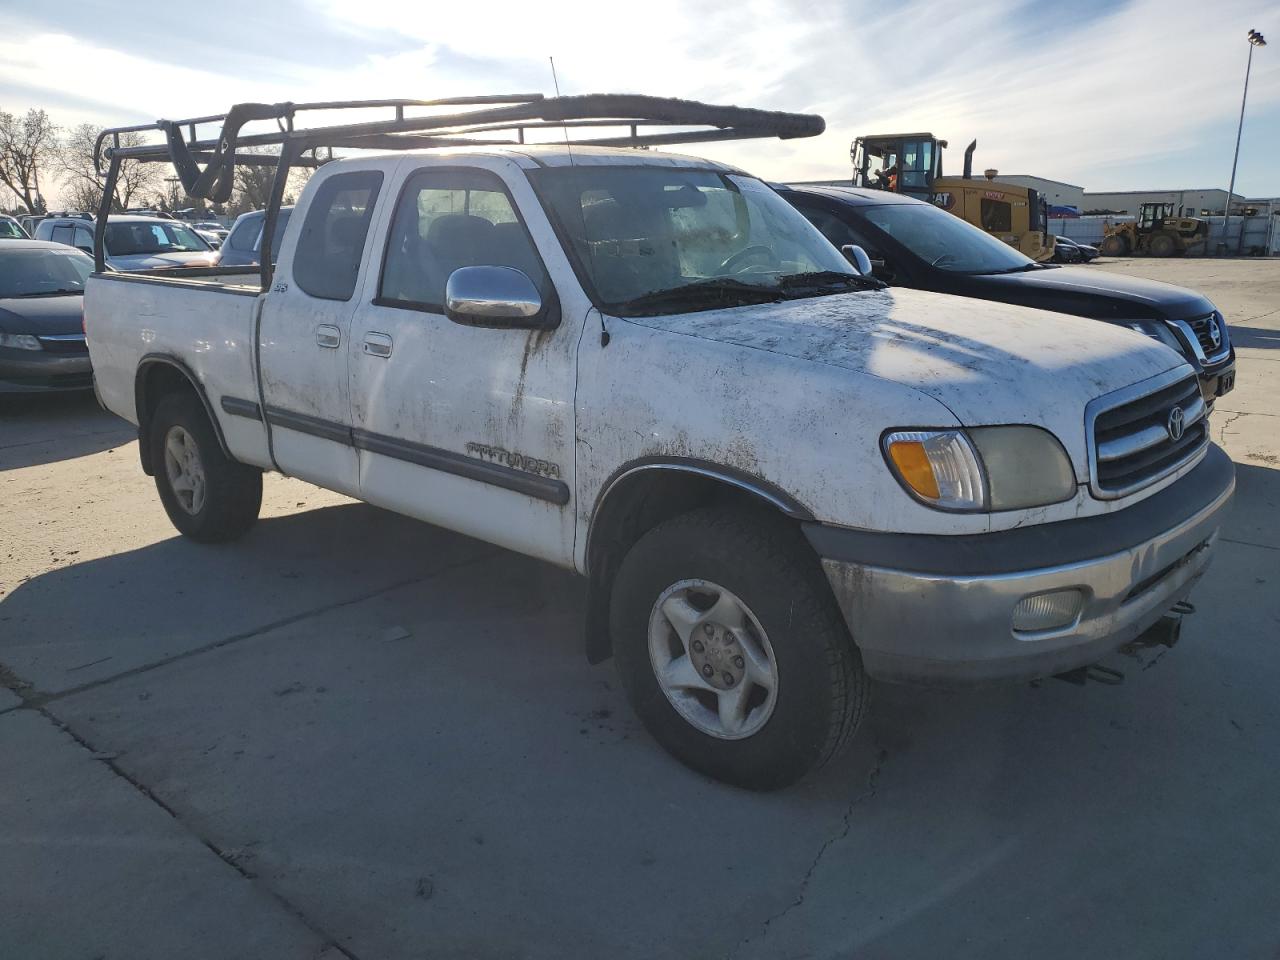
x=202, y=324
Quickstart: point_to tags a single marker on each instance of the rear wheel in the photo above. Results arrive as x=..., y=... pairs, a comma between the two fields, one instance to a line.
x=208, y=496
x=731, y=650
x=1162, y=245
x=1115, y=246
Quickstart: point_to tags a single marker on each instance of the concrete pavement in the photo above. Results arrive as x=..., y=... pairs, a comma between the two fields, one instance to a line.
x=355, y=735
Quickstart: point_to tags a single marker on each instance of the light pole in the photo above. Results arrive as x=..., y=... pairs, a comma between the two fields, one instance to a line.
x=1255, y=40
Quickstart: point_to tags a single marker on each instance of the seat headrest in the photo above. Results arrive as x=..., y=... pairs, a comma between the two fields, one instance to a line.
x=462, y=232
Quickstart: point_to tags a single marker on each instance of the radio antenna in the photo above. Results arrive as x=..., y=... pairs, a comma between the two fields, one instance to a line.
x=568, y=146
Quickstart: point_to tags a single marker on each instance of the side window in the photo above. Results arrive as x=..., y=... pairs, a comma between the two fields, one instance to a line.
x=245, y=237
x=996, y=215
x=84, y=238
x=327, y=261
x=64, y=234
x=839, y=232
x=446, y=219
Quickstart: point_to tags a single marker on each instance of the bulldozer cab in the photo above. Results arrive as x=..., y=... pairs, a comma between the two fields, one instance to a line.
x=1151, y=216
x=906, y=163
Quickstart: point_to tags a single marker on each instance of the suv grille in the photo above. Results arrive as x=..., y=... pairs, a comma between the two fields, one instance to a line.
x=1205, y=329
x=1137, y=441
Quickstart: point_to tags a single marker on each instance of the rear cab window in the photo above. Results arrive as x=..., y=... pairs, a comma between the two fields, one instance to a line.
x=331, y=244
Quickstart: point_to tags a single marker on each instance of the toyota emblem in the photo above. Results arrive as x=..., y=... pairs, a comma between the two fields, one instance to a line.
x=1215, y=333
x=1175, y=425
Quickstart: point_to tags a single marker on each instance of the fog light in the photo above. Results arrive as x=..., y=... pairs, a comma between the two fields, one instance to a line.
x=1047, y=611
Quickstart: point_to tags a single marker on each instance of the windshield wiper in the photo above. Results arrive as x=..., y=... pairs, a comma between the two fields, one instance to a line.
x=47, y=293
x=716, y=291
x=829, y=278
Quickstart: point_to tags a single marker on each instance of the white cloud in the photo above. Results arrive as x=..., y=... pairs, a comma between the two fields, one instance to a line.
x=1135, y=86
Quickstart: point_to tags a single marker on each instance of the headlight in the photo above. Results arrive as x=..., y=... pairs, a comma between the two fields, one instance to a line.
x=19, y=341
x=939, y=466
x=1156, y=330
x=985, y=468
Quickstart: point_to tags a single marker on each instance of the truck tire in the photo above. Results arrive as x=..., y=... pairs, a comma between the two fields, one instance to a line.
x=1162, y=245
x=208, y=496
x=731, y=649
x=1115, y=246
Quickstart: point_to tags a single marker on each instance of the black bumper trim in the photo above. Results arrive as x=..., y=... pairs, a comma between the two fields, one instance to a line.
x=1028, y=548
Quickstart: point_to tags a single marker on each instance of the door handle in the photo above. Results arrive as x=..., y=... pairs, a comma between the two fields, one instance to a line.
x=377, y=344
x=329, y=336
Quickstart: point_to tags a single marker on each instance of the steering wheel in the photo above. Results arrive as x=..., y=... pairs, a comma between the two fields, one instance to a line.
x=734, y=263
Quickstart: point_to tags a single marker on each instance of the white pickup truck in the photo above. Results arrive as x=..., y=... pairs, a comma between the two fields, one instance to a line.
x=779, y=477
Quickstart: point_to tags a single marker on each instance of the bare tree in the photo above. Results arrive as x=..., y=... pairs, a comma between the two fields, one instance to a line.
x=253, y=185
x=27, y=146
x=81, y=183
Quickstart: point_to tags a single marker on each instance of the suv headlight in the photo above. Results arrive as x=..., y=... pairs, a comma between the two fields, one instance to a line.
x=19, y=341
x=1157, y=330
x=984, y=468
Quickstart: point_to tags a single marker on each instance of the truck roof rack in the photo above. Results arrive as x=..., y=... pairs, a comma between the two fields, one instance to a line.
x=205, y=166
x=648, y=120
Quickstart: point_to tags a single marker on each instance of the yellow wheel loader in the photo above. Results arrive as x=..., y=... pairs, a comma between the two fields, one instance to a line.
x=1156, y=232
x=911, y=163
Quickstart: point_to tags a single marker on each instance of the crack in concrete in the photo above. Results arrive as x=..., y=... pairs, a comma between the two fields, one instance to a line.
x=1222, y=431
x=38, y=698
x=227, y=857
x=846, y=825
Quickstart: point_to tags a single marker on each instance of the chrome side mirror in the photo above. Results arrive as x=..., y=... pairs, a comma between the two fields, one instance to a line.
x=493, y=296
x=858, y=257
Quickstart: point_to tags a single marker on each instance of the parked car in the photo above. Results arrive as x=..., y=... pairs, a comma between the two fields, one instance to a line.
x=915, y=244
x=11, y=229
x=134, y=242
x=1067, y=250
x=42, y=345
x=211, y=231
x=29, y=222
x=779, y=477
x=241, y=247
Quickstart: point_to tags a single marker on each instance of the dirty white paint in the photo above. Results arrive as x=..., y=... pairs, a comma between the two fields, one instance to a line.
x=797, y=394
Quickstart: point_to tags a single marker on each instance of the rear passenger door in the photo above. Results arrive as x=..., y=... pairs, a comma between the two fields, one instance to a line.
x=468, y=427
x=305, y=329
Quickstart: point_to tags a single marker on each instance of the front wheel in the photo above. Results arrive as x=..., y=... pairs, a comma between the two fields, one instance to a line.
x=208, y=496
x=1115, y=246
x=731, y=650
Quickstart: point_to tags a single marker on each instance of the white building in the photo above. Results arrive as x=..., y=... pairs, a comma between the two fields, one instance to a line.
x=1187, y=203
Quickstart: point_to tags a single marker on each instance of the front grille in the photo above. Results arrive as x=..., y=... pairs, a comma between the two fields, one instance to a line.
x=1136, y=441
x=1203, y=329
x=68, y=343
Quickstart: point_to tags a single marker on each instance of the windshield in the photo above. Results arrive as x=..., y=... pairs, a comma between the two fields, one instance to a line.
x=42, y=272
x=132, y=239
x=944, y=240
x=638, y=232
x=10, y=229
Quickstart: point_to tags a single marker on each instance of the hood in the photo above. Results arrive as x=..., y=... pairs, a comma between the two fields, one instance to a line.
x=1087, y=291
x=988, y=363
x=150, y=261
x=42, y=316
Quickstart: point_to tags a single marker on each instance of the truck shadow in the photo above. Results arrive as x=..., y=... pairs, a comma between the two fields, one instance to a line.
x=48, y=428
x=375, y=701
x=1259, y=338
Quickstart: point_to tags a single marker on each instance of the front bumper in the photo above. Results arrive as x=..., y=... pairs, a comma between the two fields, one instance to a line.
x=39, y=371
x=941, y=612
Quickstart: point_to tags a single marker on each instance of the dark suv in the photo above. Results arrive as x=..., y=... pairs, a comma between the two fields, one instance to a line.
x=915, y=244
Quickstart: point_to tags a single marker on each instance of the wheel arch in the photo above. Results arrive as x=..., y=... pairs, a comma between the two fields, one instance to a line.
x=157, y=376
x=643, y=493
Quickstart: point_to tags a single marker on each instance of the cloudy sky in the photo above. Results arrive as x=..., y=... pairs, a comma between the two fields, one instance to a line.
x=1109, y=94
